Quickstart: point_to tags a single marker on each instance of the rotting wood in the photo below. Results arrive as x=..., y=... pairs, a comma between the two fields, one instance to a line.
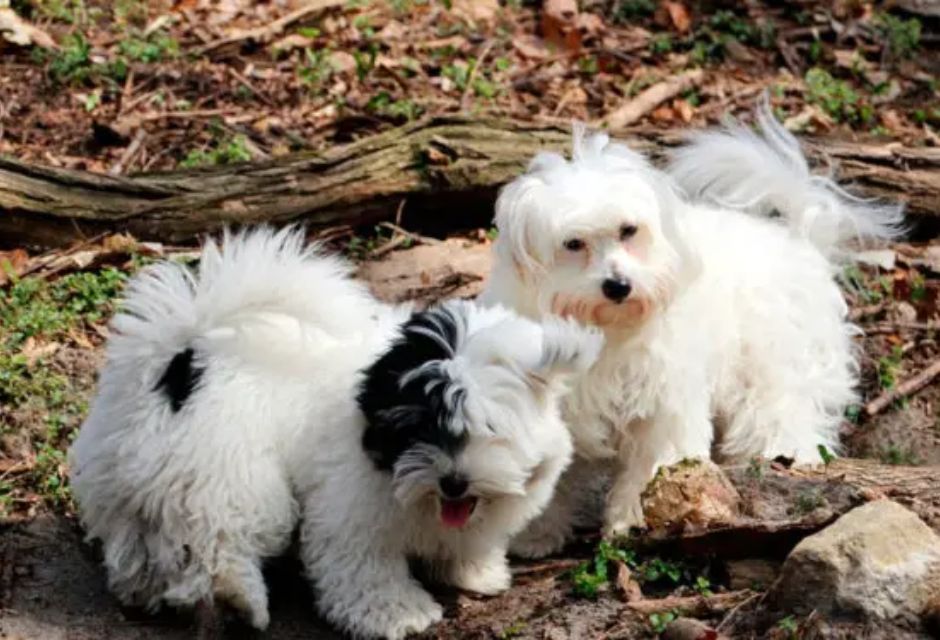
x=449, y=169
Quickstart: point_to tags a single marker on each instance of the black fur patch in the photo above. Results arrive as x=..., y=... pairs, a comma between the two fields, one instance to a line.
x=180, y=379
x=398, y=417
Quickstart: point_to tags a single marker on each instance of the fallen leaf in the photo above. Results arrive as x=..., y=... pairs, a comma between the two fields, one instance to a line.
x=559, y=23
x=33, y=350
x=664, y=113
x=684, y=109
x=79, y=338
x=12, y=264
x=678, y=16
x=891, y=120
x=19, y=32
x=342, y=62
x=531, y=47
x=475, y=10
x=290, y=42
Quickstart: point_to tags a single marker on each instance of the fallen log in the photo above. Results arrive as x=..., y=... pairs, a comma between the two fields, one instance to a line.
x=446, y=169
x=780, y=506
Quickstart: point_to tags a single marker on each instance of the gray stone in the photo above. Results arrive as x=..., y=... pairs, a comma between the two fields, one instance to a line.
x=877, y=562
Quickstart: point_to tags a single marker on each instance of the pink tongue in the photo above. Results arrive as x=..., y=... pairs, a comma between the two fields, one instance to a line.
x=455, y=513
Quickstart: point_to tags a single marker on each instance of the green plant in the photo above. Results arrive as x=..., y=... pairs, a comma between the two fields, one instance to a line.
x=853, y=413
x=659, y=621
x=589, y=577
x=33, y=314
x=383, y=105
x=836, y=97
x=888, y=368
x=72, y=63
x=918, y=288
x=151, y=48
x=512, y=630
x=627, y=10
x=824, y=453
x=808, y=501
x=316, y=69
x=893, y=454
x=460, y=73
x=588, y=65
x=70, y=11
x=755, y=468
x=231, y=151
x=661, y=43
x=790, y=626
x=902, y=37
x=703, y=586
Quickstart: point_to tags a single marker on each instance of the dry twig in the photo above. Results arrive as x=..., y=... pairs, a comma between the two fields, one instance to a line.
x=903, y=390
x=263, y=34
x=634, y=109
x=127, y=157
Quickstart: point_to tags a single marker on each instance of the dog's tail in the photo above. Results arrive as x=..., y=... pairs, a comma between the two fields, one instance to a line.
x=768, y=173
x=262, y=293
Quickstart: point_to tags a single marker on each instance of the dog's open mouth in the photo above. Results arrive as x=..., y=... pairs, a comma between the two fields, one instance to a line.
x=456, y=513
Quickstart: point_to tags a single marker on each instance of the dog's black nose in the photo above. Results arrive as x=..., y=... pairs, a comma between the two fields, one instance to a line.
x=453, y=486
x=616, y=290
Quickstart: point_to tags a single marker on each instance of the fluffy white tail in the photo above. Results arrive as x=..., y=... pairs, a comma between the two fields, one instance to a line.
x=767, y=172
x=258, y=292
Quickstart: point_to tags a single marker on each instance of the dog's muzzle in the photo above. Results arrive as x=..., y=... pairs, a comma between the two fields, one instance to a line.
x=616, y=290
x=456, y=506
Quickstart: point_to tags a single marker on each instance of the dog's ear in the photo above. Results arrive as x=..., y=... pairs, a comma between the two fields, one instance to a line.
x=568, y=350
x=524, y=222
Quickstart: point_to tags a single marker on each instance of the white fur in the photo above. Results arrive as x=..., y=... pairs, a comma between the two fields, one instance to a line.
x=188, y=504
x=734, y=334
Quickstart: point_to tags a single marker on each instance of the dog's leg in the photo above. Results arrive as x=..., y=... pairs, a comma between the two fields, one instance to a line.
x=661, y=441
x=359, y=568
x=487, y=573
x=553, y=528
x=240, y=583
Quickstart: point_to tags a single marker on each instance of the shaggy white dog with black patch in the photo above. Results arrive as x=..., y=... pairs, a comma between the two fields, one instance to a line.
x=268, y=387
x=723, y=326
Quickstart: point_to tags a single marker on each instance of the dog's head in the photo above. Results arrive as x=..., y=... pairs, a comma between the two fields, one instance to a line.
x=595, y=238
x=463, y=411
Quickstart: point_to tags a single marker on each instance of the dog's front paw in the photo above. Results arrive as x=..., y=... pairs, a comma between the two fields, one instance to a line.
x=395, y=612
x=533, y=545
x=622, y=516
x=488, y=577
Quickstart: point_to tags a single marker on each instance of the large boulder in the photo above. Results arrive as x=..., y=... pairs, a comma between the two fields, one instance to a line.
x=877, y=562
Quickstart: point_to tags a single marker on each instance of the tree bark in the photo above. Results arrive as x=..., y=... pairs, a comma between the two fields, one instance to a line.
x=446, y=169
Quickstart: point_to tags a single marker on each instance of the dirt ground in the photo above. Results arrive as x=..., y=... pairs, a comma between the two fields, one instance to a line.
x=132, y=86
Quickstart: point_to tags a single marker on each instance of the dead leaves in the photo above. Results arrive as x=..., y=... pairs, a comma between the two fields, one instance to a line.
x=559, y=23
x=678, y=16
x=19, y=32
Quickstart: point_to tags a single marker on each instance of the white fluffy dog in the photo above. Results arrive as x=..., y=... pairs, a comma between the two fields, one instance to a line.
x=723, y=326
x=269, y=387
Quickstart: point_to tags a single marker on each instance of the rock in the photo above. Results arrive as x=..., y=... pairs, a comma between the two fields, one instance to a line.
x=692, y=495
x=751, y=573
x=931, y=617
x=690, y=629
x=877, y=562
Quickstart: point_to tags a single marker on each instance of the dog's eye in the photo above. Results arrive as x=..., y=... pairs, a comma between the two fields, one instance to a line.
x=575, y=244
x=627, y=231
